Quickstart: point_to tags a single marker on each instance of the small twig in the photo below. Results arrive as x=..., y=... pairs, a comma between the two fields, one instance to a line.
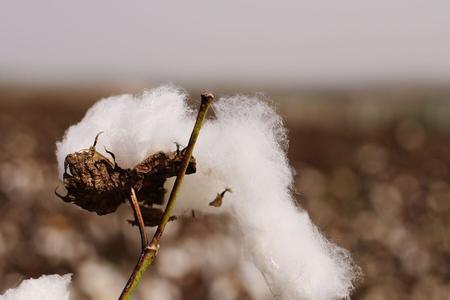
x=139, y=219
x=149, y=252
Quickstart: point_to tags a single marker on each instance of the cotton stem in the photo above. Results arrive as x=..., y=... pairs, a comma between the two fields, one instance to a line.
x=150, y=251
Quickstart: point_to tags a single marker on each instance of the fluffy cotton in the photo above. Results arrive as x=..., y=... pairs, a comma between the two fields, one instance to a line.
x=46, y=287
x=242, y=147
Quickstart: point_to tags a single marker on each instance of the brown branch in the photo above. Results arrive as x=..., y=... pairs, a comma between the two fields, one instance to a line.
x=139, y=219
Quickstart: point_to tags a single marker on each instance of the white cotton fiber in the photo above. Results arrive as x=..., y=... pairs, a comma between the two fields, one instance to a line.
x=242, y=147
x=46, y=287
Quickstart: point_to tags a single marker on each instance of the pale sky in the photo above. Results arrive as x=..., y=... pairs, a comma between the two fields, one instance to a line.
x=225, y=41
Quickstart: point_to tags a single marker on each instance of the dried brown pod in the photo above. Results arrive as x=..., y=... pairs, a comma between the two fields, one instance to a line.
x=97, y=184
x=154, y=170
x=152, y=216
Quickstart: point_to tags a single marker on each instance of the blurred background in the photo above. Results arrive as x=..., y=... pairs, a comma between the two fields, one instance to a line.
x=364, y=88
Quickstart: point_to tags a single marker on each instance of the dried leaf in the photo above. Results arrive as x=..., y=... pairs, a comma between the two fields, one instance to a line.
x=217, y=202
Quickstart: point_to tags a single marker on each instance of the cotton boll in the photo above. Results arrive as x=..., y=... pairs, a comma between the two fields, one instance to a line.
x=223, y=288
x=242, y=148
x=211, y=256
x=59, y=244
x=254, y=281
x=160, y=289
x=133, y=127
x=46, y=287
x=100, y=280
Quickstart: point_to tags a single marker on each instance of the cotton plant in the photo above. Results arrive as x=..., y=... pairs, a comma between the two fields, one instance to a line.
x=46, y=287
x=238, y=167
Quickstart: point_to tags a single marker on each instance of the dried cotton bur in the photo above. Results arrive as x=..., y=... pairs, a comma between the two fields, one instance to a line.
x=242, y=147
x=97, y=184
